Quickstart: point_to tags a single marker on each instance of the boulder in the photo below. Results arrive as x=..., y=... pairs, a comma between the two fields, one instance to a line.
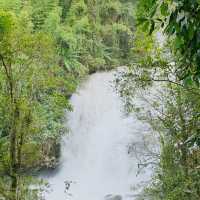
x=113, y=197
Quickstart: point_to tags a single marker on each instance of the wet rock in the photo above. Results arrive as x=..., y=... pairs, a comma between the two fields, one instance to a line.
x=113, y=197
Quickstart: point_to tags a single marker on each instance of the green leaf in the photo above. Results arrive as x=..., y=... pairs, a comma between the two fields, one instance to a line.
x=145, y=26
x=188, y=81
x=153, y=11
x=178, y=42
x=152, y=27
x=6, y=22
x=141, y=21
x=191, y=31
x=170, y=29
x=164, y=9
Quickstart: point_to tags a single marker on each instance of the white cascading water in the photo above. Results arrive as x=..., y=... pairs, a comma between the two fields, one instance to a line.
x=95, y=162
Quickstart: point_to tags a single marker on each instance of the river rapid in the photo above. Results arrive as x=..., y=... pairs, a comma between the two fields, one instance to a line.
x=97, y=157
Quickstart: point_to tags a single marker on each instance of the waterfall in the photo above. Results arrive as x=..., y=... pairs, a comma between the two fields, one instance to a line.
x=96, y=161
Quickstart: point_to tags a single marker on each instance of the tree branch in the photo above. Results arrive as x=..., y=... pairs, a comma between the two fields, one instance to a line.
x=5, y=66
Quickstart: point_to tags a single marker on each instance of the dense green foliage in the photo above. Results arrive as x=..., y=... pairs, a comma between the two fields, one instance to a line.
x=46, y=47
x=179, y=20
x=174, y=112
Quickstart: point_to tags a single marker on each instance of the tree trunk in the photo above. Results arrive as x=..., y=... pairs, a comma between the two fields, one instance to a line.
x=13, y=152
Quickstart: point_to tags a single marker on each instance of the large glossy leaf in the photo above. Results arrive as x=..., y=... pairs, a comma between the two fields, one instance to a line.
x=164, y=9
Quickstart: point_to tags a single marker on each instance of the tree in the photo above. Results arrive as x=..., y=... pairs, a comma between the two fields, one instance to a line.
x=27, y=78
x=173, y=111
x=180, y=21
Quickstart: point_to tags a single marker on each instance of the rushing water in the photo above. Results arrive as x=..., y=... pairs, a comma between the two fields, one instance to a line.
x=96, y=159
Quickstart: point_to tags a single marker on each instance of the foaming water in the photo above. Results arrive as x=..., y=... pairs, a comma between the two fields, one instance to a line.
x=95, y=159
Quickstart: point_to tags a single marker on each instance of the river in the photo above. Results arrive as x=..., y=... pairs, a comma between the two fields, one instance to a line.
x=96, y=158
